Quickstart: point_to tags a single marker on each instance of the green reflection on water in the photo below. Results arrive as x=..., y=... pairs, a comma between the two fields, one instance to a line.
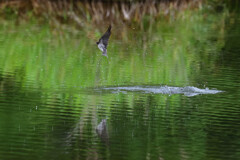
x=165, y=54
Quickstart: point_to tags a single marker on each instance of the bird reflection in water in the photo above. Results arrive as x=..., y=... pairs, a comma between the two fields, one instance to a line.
x=102, y=132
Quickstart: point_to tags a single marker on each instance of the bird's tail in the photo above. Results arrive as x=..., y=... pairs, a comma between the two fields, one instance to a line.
x=104, y=53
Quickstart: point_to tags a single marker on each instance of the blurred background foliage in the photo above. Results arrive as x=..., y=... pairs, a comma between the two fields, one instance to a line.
x=81, y=13
x=75, y=15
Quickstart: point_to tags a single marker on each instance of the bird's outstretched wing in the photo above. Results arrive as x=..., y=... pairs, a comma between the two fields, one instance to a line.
x=106, y=36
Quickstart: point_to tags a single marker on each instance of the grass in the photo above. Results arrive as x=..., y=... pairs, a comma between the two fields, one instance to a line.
x=85, y=13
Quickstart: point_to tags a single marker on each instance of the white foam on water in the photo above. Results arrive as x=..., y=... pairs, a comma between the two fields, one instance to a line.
x=187, y=91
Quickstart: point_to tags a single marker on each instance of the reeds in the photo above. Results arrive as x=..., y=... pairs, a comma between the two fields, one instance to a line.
x=82, y=12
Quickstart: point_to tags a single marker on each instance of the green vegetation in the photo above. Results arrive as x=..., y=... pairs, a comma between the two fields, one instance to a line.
x=87, y=13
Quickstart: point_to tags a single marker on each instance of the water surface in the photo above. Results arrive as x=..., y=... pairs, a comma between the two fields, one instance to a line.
x=60, y=99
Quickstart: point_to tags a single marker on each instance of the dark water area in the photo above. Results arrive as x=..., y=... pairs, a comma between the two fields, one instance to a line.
x=174, y=95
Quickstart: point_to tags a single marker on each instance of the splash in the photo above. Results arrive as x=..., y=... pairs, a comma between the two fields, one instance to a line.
x=187, y=91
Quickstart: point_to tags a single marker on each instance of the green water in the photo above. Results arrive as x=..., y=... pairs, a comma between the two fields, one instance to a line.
x=53, y=90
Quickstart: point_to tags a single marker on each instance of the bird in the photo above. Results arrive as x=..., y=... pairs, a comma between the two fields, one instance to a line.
x=103, y=41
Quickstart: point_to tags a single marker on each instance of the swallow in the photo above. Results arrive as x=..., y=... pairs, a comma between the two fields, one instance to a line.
x=103, y=41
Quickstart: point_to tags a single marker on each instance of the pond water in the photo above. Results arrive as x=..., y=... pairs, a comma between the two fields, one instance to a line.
x=170, y=92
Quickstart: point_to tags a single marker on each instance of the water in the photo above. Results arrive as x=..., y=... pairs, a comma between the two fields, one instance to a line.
x=174, y=95
x=187, y=91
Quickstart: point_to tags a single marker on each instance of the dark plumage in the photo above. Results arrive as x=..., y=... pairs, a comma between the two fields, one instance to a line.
x=103, y=41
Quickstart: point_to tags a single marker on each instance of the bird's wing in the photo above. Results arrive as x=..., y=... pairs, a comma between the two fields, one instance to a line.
x=106, y=36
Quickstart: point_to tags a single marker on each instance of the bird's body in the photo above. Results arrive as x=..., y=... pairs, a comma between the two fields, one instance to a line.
x=103, y=41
